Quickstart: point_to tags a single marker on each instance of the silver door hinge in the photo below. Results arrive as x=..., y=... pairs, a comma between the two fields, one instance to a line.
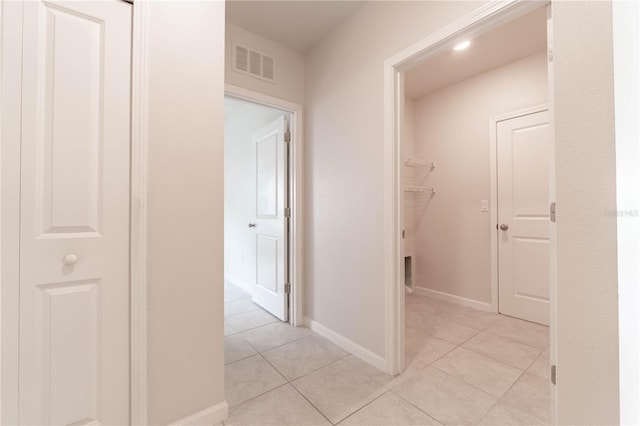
x=287, y=288
x=287, y=212
x=553, y=374
x=552, y=212
x=287, y=137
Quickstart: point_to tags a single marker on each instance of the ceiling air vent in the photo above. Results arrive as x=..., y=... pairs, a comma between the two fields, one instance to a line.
x=254, y=63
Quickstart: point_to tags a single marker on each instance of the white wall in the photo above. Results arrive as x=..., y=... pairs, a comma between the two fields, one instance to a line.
x=626, y=37
x=344, y=246
x=289, y=66
x=587, y=299
x=185, y=208
x=452, y=235
x=241, y=120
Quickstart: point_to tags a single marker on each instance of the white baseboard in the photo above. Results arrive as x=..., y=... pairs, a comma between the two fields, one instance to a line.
x=470, y=303
x=350, y=346
x=238, y=283
x=207, y=417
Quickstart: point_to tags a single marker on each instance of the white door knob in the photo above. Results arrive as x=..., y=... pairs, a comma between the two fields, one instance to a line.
x=70, y=259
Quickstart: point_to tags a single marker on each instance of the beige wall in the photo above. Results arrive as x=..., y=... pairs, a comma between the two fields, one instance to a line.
x=452, y=236
x=587, y=323
x=344, y=223
x=185, y=208
x=289, y=66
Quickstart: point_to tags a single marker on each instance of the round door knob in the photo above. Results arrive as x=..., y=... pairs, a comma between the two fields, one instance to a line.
x=504, y=227
x=252, y=225
x=70, y=259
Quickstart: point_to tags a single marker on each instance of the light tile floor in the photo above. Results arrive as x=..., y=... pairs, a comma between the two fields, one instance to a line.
x=463, y=367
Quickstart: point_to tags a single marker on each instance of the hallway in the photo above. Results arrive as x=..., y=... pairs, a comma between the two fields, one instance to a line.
x=464, y=367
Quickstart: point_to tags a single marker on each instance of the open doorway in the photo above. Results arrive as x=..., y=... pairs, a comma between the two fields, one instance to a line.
x=473, y=177
x=256, y=212
x=262, y=211
x=263, y=239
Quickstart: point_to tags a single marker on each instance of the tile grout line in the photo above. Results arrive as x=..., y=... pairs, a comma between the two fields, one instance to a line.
x=415, y=406
x=320, y=368
x=523, y=410
x=365, y=405
x=498, y=399
x=297, y=390
x=312, y=404
x=275, y=347
x=392, y=389
x=502, y=362
x=475, y=387
x=487, y=330
x=258, y=326
x=287, y=382
x=226, y=317
x=456, y=379
x=515, y=341
x=256, y=397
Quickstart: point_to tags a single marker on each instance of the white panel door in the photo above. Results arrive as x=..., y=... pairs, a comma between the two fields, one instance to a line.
x=74, y=231
x=523, y=149
x=271, y=224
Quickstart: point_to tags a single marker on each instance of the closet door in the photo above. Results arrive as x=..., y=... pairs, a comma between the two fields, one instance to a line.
x=523, y=147
x=74, y=231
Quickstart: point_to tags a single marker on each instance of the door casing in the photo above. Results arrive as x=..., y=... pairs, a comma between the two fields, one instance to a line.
x=296, y=185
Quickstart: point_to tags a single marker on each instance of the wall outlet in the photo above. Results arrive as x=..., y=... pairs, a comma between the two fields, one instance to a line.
x=484, y=205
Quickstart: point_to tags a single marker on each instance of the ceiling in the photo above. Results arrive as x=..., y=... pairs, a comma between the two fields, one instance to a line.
x=515, y=40
x=295, y=24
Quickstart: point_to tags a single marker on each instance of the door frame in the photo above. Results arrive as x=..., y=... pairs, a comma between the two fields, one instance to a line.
x=11, y=110
x=296, y=186
x=493, y=192
x=138, y=205
x=10, y=100
x=490, y=15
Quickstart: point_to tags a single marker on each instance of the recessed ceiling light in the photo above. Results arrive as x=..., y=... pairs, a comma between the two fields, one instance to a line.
x=462, y=45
